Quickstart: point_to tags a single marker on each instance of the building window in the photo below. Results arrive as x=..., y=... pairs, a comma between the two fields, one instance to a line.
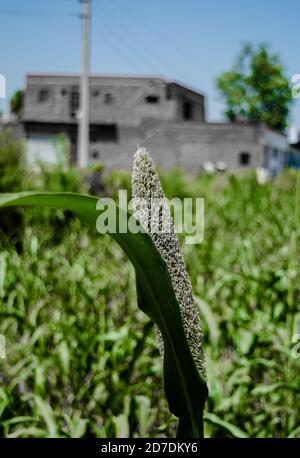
x=244, y=158
x=152, y=99
x=108, y=99
x=74, y=103
x=43, y=95
x=104, y=133
x=187, y=111
x=95, y=155
x=63, y=92
x=96, y=93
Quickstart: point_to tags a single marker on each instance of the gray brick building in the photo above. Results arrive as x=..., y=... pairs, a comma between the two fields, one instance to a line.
x=166, y=117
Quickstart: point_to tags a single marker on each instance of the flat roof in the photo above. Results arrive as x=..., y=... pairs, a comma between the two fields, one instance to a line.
x=109, y=78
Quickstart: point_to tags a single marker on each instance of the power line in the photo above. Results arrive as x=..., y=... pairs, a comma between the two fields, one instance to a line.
x=131, y=46
x=135, y=38
x=131, y=12
x=134, y=42
x=124, y=50
x=39, y=13
x=115, y=45
x=165, y=41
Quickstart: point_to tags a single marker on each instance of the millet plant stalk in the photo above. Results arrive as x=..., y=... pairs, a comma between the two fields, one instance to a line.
x=163, y=291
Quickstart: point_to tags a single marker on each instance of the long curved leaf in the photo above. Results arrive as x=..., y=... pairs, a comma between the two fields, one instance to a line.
x=185, y=389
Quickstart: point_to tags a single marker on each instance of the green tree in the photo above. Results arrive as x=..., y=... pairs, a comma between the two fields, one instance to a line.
x=16, y=103
x=256, y=88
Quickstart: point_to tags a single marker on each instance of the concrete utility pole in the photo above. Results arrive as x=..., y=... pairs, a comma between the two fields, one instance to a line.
x=84, y=107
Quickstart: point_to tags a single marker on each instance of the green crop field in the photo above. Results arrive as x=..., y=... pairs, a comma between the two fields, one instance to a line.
x=81, y=358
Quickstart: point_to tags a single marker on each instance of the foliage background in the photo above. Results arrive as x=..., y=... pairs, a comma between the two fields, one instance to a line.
x=82, y=360
x=257, y=88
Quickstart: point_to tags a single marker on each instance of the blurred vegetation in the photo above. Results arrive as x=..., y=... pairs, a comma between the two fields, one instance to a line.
x=12, y=179
x=16, y=103
x=82, y=360
x=257, y=88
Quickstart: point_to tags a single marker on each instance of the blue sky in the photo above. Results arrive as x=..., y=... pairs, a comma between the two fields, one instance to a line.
x=191, y=41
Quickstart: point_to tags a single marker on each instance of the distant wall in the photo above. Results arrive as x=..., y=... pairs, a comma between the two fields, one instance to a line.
x=122, y=101
x=188, y=146
x=165, y=117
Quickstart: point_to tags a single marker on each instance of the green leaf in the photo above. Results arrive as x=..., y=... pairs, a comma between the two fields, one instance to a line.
x=235, y=431
x=2, y=273
x=261, y=390
x=294, y=433
x=4, y=401
x=185, y=389
x=31, y=431
x=47, y=414
x=143, y=414
x=64, y=356
x=77, y=426
x=210, y=318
